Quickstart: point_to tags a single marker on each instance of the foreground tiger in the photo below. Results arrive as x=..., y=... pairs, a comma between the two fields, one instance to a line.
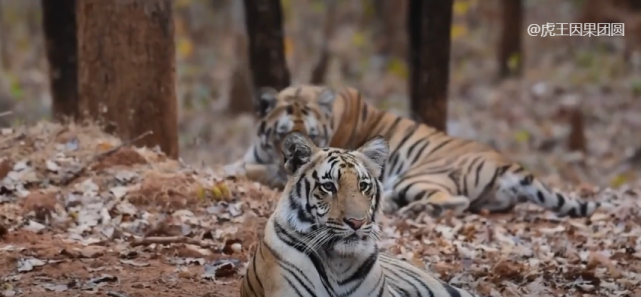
x=322, y=238
x=428, y=171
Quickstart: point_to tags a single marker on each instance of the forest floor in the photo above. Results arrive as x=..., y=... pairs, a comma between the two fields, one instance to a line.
x=70, y=236
x=83, y=212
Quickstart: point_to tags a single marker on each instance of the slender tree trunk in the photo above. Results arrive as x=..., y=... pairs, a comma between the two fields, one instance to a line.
x=126, y=58
x=4, y=42
x=391, y=18
x=59, y=28
x=429, y=23
x=510, y=41
x=242, y=92
x=264, y=21
x=320, y=69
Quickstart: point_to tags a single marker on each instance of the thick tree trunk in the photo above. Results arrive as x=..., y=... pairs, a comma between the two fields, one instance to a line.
x=264, y=21
x=429, y=23
x=510, y=40
x=126, y=58
x=59, y=27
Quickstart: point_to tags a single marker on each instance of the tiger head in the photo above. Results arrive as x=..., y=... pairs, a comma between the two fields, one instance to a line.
x=305, y=109
x=333, y=196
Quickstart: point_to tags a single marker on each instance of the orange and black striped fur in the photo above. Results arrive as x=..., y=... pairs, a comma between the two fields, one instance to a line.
x=427, y=171
x=321, y=241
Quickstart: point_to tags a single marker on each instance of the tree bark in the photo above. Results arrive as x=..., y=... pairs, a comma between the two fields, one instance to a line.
x=428, y=26
x=320, y=69
x=4, y=42
x=391, y=18
x=126, y=57
x=510, y=41
x=264, y=22
x=241, y=92
x=59, y=27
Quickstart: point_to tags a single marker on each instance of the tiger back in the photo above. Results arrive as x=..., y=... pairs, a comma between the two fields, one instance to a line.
x=322, y=238
x=428, y=171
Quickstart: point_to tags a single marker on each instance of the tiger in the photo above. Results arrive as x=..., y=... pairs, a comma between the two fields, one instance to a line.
x=428, y=171
x=322, y=238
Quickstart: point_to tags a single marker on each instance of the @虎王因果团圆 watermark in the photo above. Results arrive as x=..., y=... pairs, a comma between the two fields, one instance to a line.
x=576, y=29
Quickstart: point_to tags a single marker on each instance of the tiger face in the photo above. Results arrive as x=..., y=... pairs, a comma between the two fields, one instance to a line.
x=301, y=109
x=333, y=196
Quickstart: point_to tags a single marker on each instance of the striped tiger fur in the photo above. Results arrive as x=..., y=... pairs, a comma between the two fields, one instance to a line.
x=428, y=171
x=321, y=240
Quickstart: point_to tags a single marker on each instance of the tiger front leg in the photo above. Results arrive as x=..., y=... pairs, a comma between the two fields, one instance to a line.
x=235, y=168
x=267, y=174
x=434, y=203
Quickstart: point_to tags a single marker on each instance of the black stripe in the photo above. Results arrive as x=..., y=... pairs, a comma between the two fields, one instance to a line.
x=442, y=144
x=316, y=261
x=478, y=171
x=420, y=152
x=381, y=282
x=290, y=267
x=392, y=128
x=451, y=290
x=417, y=278
x=291, y=284
x=257, y=157
x=259, y=250
x=362, y=271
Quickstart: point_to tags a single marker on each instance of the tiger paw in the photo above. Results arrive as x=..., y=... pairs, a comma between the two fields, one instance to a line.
x=235, y=169
x=414, y=209
x=389, y=207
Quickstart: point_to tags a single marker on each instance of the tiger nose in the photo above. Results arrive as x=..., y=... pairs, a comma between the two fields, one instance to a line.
x=354, y=223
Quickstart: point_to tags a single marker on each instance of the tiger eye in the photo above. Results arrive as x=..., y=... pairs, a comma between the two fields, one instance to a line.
x=328, y=187
x=363, y=186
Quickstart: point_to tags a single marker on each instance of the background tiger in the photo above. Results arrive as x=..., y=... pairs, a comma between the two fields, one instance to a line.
x=427, y=171
x=322, y=238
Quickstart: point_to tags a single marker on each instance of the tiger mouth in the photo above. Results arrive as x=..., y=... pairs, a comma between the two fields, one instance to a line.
x=354, y=238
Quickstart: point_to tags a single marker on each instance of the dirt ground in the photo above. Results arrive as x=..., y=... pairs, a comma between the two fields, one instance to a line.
x=84, y=212
x=71, y=220
x=68, y=276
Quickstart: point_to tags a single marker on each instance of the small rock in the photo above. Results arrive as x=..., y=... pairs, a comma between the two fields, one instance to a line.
x=92, y=251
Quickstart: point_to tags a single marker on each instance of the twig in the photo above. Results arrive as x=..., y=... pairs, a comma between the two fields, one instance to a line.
x=65, y=181
x=116, y=294
x=172, y=239
x=6, y=113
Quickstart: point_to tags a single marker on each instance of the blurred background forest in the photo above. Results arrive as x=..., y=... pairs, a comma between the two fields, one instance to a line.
x=590, y=81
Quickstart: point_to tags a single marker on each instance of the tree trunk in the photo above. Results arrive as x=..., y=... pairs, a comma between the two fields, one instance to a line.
x=320, y=69
x=59, y=28
x=391, y=16
x=126, y=58
x=510, y=40
x=429, y=23
x=241, y=92
x=264, y=23
x=4, y=42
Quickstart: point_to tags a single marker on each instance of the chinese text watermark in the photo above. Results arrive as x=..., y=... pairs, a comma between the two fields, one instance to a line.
x=576, y=29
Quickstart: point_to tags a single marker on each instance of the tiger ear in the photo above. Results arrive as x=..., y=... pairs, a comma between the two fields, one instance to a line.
x=297, y=151
x=376, y=151
x=265, y=100
x=326, y=99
